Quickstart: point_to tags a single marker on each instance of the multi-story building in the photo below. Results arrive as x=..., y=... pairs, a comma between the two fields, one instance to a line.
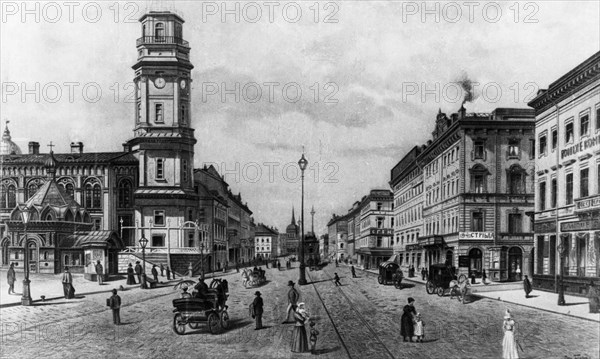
x=567, y=180
x=478, y=190
x=353, y=220
x=337, y=228
x=239, y=241
x=375, y=242
x=407, y=222
x=265, y=242
x=324, y=246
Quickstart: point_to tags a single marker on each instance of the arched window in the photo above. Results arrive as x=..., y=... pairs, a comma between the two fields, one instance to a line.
x=32, y=188
x=88, y=195
x=70, y=189
x=479, y=179
x=124, y=194
x=159, y=32
x=97, y=197
x=11, y=194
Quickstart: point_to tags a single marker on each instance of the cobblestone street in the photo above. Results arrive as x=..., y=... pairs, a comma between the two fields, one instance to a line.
x=361, y=319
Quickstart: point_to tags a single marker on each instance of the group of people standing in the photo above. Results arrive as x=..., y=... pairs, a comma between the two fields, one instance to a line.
x=137, y=272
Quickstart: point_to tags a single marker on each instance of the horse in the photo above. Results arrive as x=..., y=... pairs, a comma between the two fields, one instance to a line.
x=222, y=287
x=459, y=288
x=245, y=278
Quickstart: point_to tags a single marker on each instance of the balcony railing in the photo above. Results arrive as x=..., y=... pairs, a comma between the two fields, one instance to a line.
x=161, y=40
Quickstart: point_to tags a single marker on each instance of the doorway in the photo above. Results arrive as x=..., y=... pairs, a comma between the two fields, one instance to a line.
x=475, y=262
x=515, y=260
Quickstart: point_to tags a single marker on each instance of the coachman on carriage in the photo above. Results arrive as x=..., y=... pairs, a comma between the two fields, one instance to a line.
x=209, y=307
x=442, y=278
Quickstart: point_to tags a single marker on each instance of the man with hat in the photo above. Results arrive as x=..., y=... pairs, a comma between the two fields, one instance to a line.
x=114, y=303
x=257, y=305
x=138, y=271
x=99, y=272
x=293, y=297
x=201, y=288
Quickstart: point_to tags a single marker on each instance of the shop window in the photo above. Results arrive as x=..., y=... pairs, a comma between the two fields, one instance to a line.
x=552, y=258
x=569, y=189
x=540, y=255
x=581, y=254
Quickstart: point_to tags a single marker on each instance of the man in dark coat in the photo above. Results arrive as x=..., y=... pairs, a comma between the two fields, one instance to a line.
x=293, y=297
x=138, y=271
x=67, y=282
x=130, y=276
x=11, y=277
x=336, y=279
x=99, y=272
x=115, y=304
x=594, y=296
x=154, y=273
x=527, y=286
x=353, y=272
x=162, y=270
x=258, y=310
x=201, y=288
x=407, y=326
x=168, y=273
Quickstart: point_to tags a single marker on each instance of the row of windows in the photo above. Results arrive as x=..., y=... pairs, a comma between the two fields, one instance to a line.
x=410, y=215
x=159, y=113
x=584, y=189
x=410, y=238
x=569, y=131
x=447, y=159
x=411, y=176
x=159, y=31
x=410, y=194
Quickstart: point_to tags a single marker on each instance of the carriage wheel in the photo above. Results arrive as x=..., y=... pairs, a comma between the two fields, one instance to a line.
x=194, y=325
x=398, y=284
x=440, y=291
x=430, y=287
x=224, y=320
x=179, y=324
x=380, y=279
x=214, y=324
x=462, y=278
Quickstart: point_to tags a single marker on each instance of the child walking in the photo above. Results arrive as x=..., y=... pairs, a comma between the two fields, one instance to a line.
x=419, y=333
x=313, y=338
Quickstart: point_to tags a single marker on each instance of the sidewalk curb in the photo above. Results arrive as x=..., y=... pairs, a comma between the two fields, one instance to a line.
x=506, y=301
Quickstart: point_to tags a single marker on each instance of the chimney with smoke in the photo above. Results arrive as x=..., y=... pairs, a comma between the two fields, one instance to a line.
x=467, y=85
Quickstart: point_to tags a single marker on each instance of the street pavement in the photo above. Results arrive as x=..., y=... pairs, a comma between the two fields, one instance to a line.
x=360, y=319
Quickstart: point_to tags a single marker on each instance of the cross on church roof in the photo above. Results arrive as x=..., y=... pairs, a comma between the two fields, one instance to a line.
x=51, y=145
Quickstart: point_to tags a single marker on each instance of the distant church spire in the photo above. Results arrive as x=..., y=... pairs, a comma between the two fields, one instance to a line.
x=293, y=217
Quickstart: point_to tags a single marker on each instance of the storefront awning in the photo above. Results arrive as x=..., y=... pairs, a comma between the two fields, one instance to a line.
x=92, y=239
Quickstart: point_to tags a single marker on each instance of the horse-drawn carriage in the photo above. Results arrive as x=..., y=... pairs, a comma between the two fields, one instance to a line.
x=389, y=272
x=253, y=277
x=442, y=278
x=211, y=309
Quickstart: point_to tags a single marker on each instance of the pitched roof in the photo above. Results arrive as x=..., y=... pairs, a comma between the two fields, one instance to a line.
x=72, y=158
x=53, y=195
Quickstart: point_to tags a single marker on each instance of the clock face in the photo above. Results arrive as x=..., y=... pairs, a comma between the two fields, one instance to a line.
x=182, y=84
x=159, y=82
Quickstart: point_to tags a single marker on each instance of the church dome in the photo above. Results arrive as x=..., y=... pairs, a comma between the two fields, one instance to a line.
x=7, y=146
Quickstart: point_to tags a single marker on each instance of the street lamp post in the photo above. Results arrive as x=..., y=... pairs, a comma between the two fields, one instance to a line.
x=26, y=298
x=302, y=280
x=561, y=288
x=143, y=244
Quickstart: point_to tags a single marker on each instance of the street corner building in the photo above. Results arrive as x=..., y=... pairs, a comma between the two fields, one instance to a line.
x=465, y=198
x=114, y=207
x=567, y=180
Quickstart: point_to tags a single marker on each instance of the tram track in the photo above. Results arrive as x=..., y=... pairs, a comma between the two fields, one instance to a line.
x=358, y=314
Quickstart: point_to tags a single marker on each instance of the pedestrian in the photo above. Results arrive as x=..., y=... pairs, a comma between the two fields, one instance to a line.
x=267, y=264
x=353, y=272
x=422, y=273
x=293, y=297
x=419, y=333
x=299, y=339
x=99, y=271
x=527, y=286
x=509, y=343
x=11, y=277
x=67, y=282
x=278, y=265
x=162, y=270
x=114, y=302
x=336, y=279
x=154, y=272
x=168, y=273
x=173, y=274
x=407, y=328
x=130, y=277
x=237, y=267
x=336, y=262
x=314, y=333
x=257, y=306
x=518, y=272
x=483, y=277
x=138, y=271
x=594, y=296
x=427, y=273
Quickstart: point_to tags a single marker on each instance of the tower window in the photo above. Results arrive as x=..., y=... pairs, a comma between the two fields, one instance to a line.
x=185, y=170
x=159, y=113
x=139, y=111
x=178, y=31
x=160, y=168
x=159, y=32
x=183, y=114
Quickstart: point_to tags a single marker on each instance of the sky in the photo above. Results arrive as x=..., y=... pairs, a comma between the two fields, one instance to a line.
x=355, y=84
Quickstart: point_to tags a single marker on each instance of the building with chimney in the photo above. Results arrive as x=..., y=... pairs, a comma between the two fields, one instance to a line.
x=567, y=180
x=477, y=194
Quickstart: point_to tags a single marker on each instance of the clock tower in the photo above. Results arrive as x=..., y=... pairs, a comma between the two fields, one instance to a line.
x=163, y=140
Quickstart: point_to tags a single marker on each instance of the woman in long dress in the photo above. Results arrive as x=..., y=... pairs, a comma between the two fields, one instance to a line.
x=407, y=328
x=299, y=338
x=130, y=277
x=509, y=344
